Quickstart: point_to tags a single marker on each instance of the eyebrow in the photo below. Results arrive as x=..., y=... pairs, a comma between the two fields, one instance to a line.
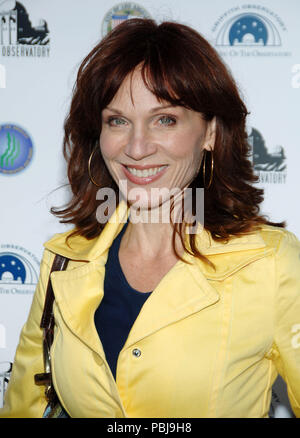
x=153, y=110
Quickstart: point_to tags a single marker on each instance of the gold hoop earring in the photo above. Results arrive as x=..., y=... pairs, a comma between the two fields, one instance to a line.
x=89, y=168
x=211, y=168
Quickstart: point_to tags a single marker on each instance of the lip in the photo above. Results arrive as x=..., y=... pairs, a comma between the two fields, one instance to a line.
x=140, y=180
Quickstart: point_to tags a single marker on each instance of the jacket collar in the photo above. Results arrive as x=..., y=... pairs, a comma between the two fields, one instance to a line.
x=82, y=249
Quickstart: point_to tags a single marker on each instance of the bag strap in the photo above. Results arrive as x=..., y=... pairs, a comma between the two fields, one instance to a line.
x=47, y=324
x=59, y=264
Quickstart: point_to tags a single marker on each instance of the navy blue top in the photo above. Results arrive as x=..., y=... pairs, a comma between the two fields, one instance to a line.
x=119, y=307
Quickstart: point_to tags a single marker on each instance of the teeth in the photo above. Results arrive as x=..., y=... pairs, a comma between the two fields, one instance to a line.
x=145, y=172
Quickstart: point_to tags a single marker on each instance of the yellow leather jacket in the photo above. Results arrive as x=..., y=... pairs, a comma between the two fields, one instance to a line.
x=211, y=342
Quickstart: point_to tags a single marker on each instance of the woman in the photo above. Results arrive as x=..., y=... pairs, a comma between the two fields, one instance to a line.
x=156, y=317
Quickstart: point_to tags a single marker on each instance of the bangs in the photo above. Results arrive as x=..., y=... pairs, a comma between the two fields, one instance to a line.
x=156, y=80
x=175, y=81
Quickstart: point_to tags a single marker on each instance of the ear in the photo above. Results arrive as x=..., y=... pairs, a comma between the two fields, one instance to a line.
x=210, y=136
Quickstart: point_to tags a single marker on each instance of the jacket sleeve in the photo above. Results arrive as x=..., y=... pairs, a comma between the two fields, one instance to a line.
x=24, y=399
x=287, y=317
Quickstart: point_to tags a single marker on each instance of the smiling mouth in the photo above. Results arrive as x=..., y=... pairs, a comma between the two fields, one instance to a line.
x=145, y=173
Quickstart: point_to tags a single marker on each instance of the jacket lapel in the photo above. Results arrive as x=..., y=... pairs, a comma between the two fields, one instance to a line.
x=182, y=292
x=79, y=290
x=187, y=289
x=78, y=293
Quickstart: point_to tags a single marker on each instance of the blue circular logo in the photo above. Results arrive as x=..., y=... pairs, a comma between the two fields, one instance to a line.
x=16, y=149
x=18, y=267
x=248, y=29
x=13, y=265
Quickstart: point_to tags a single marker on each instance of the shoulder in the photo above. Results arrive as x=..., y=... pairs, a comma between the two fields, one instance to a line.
x=70, y=245
x=286, y=263
x=283, y=242
x=74, y=246
x=59, y=238
x=52, y=247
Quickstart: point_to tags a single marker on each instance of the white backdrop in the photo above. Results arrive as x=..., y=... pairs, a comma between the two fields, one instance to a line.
x=41, y=46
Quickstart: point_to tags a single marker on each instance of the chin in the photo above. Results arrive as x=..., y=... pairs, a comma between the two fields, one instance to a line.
x=150, y=210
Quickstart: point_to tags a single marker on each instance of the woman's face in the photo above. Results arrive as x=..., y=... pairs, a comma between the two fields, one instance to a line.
x=147, y=144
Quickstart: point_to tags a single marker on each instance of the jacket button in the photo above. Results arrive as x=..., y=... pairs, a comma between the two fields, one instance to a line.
x=136, y=352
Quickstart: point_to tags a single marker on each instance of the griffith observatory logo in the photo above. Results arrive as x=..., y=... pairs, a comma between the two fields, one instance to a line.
x=18, y=270
x=249, y=30
x=16, y=149
x=18, y=37
x=270, y=167
x=121, y=12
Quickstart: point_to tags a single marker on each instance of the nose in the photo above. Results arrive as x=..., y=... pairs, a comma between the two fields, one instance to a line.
x=140, y=144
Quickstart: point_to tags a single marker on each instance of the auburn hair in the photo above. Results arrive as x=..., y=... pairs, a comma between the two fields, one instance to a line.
x=179, y=66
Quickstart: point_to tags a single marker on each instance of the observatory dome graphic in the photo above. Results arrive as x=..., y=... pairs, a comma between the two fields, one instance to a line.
x=248, y=29
x=10, y=264
x=16, y=268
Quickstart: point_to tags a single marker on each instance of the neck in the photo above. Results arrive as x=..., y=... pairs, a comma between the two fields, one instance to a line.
x=150, y=239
